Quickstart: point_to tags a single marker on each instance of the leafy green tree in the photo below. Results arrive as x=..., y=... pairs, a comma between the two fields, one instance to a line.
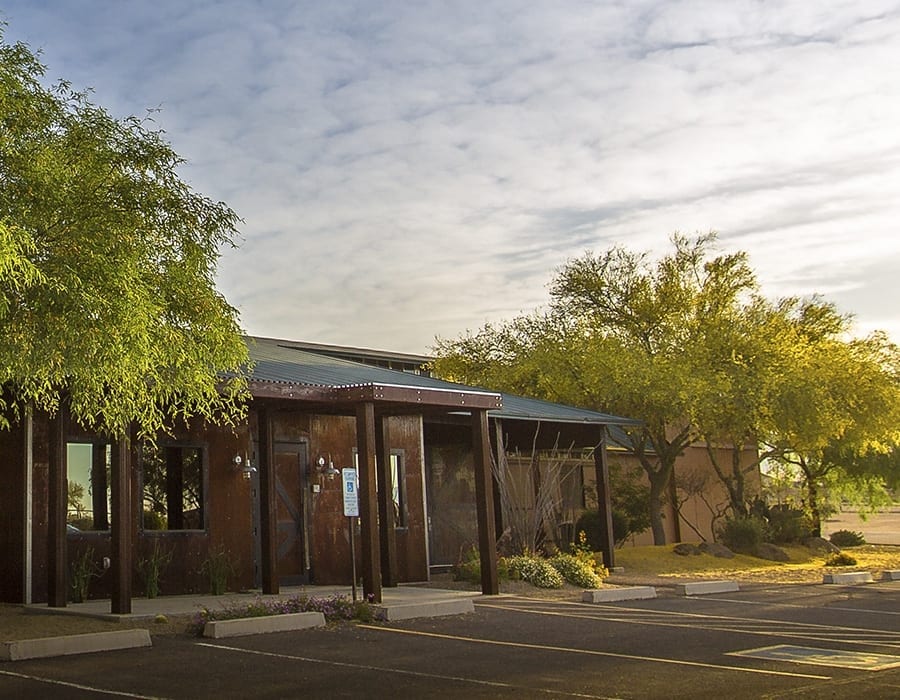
x=836, y=409
x=621, y=336
x=107, y=262
x=642, y=324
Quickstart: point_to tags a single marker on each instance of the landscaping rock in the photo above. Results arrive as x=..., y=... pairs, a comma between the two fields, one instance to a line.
x=767, y=550
x=685, y=549
x=820, y=544
x=716, y=550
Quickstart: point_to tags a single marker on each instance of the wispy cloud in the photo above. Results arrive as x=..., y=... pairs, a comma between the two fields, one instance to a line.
x=407, y=170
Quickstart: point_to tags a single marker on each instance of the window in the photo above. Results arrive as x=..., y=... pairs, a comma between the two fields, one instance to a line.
x=88, y=488
x=398, y=485
x=173, y=487
x=398, y=489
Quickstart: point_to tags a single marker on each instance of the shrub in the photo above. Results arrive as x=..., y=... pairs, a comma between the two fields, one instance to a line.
x=743, y=534
x=787, y=525
x=535, y=570
x=577, y=569
x=630, y=499
x=847, y=538
x=468, y=568
x=151, y=568
x=218, y=567
x=84, y=569
x=840, y=559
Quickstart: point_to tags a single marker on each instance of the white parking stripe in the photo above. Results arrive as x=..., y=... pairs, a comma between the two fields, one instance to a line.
x=593, y=652
x=722, y=623
x=804, y=607
x=406, y=672
x=78, y=686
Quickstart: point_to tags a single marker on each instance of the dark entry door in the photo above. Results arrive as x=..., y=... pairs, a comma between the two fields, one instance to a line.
x=292, y=513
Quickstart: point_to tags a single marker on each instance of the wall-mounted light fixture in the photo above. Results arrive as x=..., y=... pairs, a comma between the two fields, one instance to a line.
x=243, y=466
x=327, y=468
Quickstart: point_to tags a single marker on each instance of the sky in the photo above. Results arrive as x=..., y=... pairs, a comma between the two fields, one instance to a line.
x=410, y=170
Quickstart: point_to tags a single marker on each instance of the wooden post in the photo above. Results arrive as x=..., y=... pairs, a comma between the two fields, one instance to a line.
x=268, y=513
x=120, y=534
x=368, y=506
x=386, y=524
x=484, y=490
x=57, y=507
x=604, y=504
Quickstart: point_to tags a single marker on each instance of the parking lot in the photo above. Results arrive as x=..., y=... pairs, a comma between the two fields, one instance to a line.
x=766, y=641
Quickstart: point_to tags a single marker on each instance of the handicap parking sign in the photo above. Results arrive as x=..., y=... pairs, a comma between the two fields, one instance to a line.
x=351, y=497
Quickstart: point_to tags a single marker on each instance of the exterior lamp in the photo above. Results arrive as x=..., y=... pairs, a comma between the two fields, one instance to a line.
x=328, y=471
x=244, y=467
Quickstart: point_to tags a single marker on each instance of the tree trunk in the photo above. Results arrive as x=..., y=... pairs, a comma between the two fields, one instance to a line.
x=658, y=486
x=815, y=515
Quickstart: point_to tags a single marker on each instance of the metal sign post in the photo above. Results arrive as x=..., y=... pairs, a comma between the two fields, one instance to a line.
x=351, y=510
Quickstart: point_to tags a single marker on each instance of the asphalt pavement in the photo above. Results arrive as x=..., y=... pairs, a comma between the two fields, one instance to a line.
x=763, y=641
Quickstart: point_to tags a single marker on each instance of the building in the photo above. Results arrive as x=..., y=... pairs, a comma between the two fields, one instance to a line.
x=266, y=497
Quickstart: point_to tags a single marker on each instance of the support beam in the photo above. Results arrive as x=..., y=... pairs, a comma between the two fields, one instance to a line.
x=57, y=504
x=604, y=504
x=268, y=513
x=484, y=489
x=386, y=524
x=28, y=505
x=368, y=506
x=120, y=533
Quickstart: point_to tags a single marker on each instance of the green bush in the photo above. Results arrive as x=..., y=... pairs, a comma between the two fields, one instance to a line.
x=468, y=568
x=847, y=538
x=537, y=571
x=577, y=569
x=743, y=534
x=788, y=525
x=840, y=559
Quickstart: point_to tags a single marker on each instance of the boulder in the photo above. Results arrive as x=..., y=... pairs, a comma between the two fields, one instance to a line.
x=820, y=545
x=685, y=549
x=767, y=550
x=716, y=550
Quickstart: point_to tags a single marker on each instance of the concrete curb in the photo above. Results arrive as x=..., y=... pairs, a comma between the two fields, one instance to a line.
x=890, y=575
x=74, y=644
x=436, y=608
x=613, y=595
x=848, y=577
x=706, y=587
x=220, y=629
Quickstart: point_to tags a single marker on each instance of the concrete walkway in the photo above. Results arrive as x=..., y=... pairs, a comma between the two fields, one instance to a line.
x=412, y=601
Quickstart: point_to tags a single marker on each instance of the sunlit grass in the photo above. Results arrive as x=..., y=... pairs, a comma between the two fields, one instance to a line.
x=804, y=565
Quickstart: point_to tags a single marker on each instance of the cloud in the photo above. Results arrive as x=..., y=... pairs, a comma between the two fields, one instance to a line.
x=411, y=170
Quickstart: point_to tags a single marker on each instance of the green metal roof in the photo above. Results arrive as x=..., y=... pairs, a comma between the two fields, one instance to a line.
x=284, y=362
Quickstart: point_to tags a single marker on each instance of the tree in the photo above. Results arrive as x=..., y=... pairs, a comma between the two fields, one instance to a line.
x=836, y=408
x=642, y=325
x=107, y=263
x=620, y=336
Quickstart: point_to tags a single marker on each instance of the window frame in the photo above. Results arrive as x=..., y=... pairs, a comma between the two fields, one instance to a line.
x=401, y=514
x=94, y=444
x=162, y=446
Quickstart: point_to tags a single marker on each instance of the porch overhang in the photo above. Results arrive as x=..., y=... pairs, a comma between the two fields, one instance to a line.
x=381, y=394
